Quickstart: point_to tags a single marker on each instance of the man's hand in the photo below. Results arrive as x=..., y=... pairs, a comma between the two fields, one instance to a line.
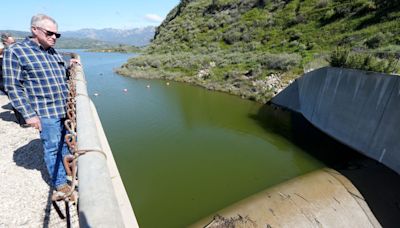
x=34, y=122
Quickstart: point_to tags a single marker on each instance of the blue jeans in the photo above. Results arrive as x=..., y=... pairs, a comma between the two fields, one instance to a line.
x=54, y=146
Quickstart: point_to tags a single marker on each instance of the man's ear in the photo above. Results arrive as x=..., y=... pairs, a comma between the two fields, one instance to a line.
x=34, y=30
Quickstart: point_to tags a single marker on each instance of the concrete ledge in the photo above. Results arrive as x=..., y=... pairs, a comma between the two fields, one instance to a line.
x=125, y=207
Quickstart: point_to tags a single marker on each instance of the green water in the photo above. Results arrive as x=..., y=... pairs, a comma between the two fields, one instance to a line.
x=184, y=152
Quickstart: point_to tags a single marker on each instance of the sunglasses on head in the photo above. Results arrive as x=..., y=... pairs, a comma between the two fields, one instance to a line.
x=49, y=33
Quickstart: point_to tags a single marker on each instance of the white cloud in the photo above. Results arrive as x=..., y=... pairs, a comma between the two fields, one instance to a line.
x=153, y=18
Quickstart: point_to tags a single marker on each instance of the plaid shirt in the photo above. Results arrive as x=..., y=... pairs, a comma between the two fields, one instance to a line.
x=35, y=80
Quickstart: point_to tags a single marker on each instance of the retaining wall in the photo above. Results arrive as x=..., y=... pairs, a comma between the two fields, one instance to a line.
x=359, y=108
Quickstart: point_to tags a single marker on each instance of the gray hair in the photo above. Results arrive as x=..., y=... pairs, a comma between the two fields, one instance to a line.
x=37, y=20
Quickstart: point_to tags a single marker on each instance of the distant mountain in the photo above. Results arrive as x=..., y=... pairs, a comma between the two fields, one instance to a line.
x=66, y=42
x=19, y=35
x=97, y=38
x=137, y=36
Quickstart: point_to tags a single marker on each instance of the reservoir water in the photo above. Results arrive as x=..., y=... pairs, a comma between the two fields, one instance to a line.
x=184, y=152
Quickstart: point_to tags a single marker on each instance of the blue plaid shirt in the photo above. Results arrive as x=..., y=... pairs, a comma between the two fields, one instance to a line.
x=35, y=80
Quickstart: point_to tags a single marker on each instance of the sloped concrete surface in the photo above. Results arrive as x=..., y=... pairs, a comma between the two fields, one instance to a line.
x=323, y=198
x=360, y=109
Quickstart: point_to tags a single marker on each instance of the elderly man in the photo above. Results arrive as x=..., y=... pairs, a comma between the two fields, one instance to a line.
x=35, y=80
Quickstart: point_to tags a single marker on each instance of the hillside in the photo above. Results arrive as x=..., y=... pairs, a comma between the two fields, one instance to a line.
x=253, y=48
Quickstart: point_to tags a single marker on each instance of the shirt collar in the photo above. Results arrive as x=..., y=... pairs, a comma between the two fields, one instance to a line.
x=37, y=46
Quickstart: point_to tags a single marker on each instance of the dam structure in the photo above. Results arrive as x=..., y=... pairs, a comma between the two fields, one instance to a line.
x=358, y=108
x=355, y=107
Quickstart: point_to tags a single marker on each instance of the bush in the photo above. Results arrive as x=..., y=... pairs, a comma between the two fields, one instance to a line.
x=280, y=61
x=329, y=14
x=375, y=41
x=155, y=64
x=364, y=61
x=211, y=24
x=392, y=64
x=322, y=4
x=294, y=43
x=231, y=37
x=339, y=57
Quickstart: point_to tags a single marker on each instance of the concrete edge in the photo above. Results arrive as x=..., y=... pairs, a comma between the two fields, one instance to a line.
x=356, y=195
x=125, y=206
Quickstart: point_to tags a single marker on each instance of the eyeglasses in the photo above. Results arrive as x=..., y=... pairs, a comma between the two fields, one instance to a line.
x=49, y=33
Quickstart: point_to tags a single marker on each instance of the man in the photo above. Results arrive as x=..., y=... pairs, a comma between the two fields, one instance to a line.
x=35, y=80
x=1, y=67
x=7, y=40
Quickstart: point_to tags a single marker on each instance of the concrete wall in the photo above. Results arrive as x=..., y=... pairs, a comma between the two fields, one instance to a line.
x=359, y=108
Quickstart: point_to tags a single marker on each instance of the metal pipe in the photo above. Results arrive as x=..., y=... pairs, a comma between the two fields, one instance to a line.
x=98, y=205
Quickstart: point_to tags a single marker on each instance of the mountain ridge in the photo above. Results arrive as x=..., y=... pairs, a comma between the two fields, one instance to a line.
x=98, y=38
x=137, y=36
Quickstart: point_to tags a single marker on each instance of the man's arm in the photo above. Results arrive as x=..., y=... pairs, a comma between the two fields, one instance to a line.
x=13, y=80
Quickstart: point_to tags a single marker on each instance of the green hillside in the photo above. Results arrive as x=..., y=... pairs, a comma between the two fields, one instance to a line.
x=254, y=48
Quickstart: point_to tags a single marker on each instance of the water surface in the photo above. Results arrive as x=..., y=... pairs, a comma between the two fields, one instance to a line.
x=184, y=152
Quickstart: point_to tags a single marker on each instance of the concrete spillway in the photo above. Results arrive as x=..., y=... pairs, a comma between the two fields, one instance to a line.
x=360, y=109
x=323, y=198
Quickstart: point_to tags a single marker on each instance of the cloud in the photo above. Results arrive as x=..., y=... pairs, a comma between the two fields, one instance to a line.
x=153, y=18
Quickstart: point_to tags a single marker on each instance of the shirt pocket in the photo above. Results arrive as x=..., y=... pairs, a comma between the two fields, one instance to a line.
x=36, y=69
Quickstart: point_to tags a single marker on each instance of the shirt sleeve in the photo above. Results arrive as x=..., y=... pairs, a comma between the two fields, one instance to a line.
x=13, y=83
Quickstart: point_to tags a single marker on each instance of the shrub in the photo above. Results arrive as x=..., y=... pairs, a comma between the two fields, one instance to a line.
x=328, y=15
x=280, y=61
x=364, y=61
x=211, y=24
x=339, y=57
x=302, y=47
x=294, y=43
x=392, y=64
x=155, y=64
x=322, y=4
x=375, y=41
x=231, y=37
x=355, y=62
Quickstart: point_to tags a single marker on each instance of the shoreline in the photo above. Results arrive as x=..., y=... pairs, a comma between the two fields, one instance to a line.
x=259, y=91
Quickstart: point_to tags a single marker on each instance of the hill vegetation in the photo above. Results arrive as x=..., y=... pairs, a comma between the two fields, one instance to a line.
x=254, y=48
x=118, y=48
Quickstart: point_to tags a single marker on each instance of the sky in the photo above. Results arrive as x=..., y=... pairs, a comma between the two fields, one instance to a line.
x=78, y=14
